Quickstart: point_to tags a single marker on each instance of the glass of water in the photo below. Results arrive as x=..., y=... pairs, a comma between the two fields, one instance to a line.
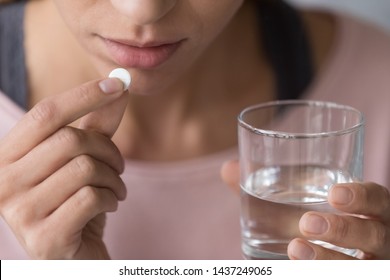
x=291, y=153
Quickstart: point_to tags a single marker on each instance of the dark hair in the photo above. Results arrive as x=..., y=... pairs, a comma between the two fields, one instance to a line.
x=287, y=47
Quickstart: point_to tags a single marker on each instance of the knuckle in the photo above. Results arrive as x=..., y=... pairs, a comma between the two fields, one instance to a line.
x=122, y=189
x=43, y=112
x=379, y=237
x=88, y=196
x=386, y=198
x=364, y=194
x=84, y=94
x=375, y=199
x=17, y=216
x=84, y=166
x=97, y=200
x=341, y=228
x=113, y=204
x=69, y=136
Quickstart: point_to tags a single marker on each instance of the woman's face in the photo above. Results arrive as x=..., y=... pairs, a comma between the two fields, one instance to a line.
x=157, y=40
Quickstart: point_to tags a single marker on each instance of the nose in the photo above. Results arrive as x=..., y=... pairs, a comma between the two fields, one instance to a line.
x=143, y=12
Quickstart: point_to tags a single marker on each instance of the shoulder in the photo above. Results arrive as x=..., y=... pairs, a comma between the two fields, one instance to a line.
x=358, y=59
x=361, y=53
x=357, y=68
x=366, y=49
x=345, y=36
x=364, y=37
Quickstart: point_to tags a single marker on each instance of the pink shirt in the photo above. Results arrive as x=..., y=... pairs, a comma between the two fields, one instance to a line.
x=183, y=210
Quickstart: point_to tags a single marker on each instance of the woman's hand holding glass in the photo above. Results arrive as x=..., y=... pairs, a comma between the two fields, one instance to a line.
x=57, y=181
x=367, y=227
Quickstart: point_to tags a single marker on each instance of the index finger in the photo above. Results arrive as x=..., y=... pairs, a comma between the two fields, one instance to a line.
x=54, y=112
x=367, y=199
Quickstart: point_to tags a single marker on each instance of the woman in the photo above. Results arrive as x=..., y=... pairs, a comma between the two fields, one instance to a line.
x=193, y=68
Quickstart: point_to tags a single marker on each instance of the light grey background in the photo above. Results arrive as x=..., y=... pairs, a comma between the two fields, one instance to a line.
x=376, y=11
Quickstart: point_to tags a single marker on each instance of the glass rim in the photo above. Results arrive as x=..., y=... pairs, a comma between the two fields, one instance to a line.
x=283, y=134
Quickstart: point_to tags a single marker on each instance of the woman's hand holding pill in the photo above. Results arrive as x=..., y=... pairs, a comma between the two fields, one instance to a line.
x=57, y=181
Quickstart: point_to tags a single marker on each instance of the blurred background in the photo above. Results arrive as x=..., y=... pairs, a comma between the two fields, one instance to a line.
x=375, y=11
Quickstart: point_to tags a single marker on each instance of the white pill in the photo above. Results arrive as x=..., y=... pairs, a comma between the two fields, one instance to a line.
x=123, y=75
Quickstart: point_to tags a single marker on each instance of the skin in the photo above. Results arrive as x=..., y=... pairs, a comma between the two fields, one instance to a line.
x=84, y=133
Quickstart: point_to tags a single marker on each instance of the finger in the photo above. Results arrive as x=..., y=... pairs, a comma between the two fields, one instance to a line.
x=64, y=183
x=55, y=112
x=60, y=148
x=65, y=227
x=299, y=249
x=9, y=177
x=105, y=120
x=370, y=236
x=367, y=199
x=83, y=206
x=230, y=174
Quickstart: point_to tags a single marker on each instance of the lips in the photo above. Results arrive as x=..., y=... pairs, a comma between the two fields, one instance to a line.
x=144, y=56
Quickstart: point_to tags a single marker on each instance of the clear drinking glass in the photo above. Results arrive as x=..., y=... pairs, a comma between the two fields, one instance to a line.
x=291, y=153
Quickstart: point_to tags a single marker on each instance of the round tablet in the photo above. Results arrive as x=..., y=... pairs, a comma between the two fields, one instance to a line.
x=123, y=75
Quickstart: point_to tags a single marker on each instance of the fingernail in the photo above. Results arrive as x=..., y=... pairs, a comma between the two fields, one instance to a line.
x=301, y=251
x=341, y=195
x=111, y=85
x=314, y=224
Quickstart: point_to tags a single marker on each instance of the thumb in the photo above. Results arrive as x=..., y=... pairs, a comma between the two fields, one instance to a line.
x=106, y=119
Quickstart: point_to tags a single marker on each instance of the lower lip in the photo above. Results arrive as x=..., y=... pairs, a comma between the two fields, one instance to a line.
x=144, y=57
